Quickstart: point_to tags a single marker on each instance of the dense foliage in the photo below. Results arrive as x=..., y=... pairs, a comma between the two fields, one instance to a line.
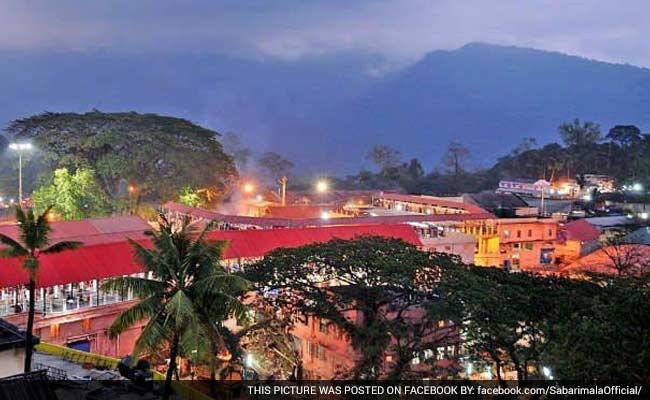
x=383, y=281
x=73, y=196
x=513, y=324
x=575, y=329
x=623, y=153
x=158, y=155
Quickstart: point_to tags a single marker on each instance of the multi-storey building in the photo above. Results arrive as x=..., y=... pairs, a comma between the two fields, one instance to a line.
x=511, y=243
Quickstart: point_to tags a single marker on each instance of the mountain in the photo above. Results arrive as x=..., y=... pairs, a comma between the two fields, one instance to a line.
x=325, y=112
x=490, y=97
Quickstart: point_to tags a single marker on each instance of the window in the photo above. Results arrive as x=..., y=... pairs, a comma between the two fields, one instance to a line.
x=518, y=234
x=506, y=233
x=85, y=324
x=441, y=323
x=320, y=352
x=550, y=232
x=528, y=246
x=440, y=353
x=451, y=350
x=389, y=358
x=516, y=246
x=415, y=360
x=515, y=260
x=530, y=233
x=428, y=353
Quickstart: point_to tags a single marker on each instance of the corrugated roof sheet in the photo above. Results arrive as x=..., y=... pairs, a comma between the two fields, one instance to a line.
x=98, y=261
x=467, y=207
x=286, y=222
x=91, y=230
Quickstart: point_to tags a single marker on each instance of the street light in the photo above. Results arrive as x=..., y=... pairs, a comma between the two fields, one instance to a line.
x=322, y=186
x=20, y=147
x=248, y=188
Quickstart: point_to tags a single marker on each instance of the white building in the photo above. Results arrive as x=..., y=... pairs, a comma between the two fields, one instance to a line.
x=526, y=187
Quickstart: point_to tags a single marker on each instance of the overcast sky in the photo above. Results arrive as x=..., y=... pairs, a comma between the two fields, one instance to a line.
x=400, y=30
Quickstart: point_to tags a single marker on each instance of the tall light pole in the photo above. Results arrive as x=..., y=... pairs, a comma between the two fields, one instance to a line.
x=20, y=147
x=283, y=190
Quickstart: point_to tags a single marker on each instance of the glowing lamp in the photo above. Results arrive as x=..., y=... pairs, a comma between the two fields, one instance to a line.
x=322, y=186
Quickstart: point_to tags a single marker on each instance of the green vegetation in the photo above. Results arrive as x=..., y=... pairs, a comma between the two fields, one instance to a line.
x=623, y=153
x=533, y=326
x=577, y=329
x=184, y=303
x=157, y=155
x=34, y=240
x=376, y=274
x=73, y=196
x=189, y=197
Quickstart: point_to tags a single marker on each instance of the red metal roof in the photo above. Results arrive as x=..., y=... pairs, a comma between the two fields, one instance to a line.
x=256, y=243
x=98, y=261
x=582, y=231
x=286, y=222
x=410, y=198
x=91, y=230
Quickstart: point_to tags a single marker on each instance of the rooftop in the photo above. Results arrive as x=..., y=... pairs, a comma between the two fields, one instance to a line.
x=91, y=230
x=581, y=230
x=115, y=259
x=310, y=222
x=10, y=336
x=492, y=201
x=431, y=201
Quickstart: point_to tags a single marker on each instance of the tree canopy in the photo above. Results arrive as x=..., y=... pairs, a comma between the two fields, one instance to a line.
x=381, y=280
x=623, y=153
x=73, y=196
x=158, y=154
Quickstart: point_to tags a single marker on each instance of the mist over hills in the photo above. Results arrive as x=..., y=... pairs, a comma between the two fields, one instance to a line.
x=324, y=113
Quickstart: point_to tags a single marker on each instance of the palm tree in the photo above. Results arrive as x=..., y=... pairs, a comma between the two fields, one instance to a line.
x=186, y=277
x=34, y=240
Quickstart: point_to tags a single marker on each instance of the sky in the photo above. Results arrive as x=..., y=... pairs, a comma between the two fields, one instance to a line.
x=402, y=31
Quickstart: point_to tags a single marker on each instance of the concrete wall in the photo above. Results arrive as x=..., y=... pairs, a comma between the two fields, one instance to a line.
x=85, y=325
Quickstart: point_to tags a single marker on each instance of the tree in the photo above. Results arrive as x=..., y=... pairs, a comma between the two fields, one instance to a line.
x=527, y=143
x=33, y=241
x=626, y=257
x=380, y=280
x=190, y=293
x=507, y=318
x=274, y=165
x=189, y=197
x=73, y=196
x=604, y=337
x=625, y=135
x=415, y=169
x=579, y=134
x=455, y=157
x=158, y=154
x=383, y=156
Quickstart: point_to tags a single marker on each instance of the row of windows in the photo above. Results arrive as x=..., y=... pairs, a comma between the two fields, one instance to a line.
x=519, y=245
x=440, y=353
x=506, y=233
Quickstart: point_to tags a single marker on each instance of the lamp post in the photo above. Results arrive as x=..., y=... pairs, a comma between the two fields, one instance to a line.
x=20, y=147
